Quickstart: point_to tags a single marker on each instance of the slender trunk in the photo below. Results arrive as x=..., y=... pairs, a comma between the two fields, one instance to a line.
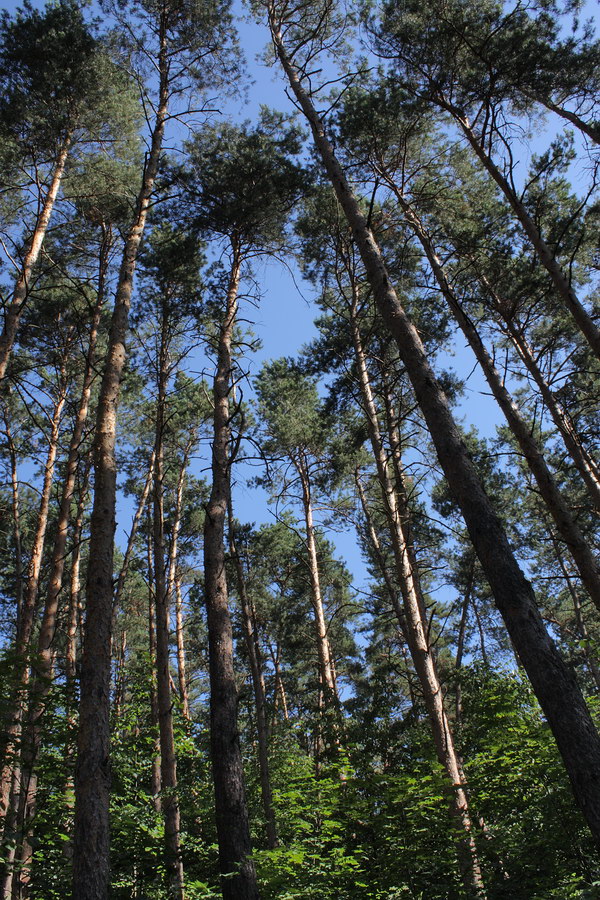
x=279, y=686
x=168, y=760
x=92, y=775
x=549, y=491
x=553, y=681
x=14, y=309
x=26, y=620
x=174, y=585
x=135, y=525
x=14, y=483
x=43, y=668
x=120, y=676
x=155, y=783
x=326, y=671
x=181, y=667
x=236, y=866
x=74, y=614
x=460, y=644
x=258, y=683
x=564, y=289
x=413, y=620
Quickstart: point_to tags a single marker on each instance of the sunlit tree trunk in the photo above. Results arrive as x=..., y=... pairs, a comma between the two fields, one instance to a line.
x=326, y=669
x=14, y=309
x=413, y=620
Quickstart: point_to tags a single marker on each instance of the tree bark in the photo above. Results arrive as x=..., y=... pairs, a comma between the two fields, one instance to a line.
x=174, y=586
x=413, y=620
x=553, y=681
x=258, y=683
x=168, y=760
x=326, y=671
x=237, y=869
x=13, y=311
x=92, y=775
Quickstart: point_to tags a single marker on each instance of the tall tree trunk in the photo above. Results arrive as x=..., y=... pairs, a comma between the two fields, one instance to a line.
x=553, y=498
x=174, y=586
x=236, y=866
x=92, y=775
x=413, y=620
x=258, y=683
x=43, y=668
x=326, y=669
x=16, y=522
x=135, y=525
x=553, y=681
x=279, y=686
x=155, y=782
x=168, y=761
x=14, y=309
x=14, y=722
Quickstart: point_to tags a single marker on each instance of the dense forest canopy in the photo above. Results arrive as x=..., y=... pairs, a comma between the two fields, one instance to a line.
x=202, y=697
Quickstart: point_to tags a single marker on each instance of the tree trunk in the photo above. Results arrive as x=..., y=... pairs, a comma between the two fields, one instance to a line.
x=174, y=586
x=168, y=761
x=14, y=309
x=43, y=668
x=326, y=671
x=553, y=681
x=413, y=621
x=155, y=782
x=16, y=523
x=135, y=525
x=236, y=866
x=258, y=684
x=92, y=775
x=14, y=720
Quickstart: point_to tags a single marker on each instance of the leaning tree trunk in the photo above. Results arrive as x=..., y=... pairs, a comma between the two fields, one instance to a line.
x=413, y=622
x=238, y=877
x=14, y=309
x=92, y=775
x=553, y=681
